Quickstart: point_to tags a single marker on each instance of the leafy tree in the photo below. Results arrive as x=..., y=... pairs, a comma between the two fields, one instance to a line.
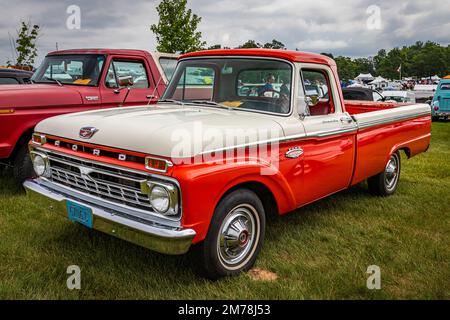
x=176, y=30
x=26, y=44
x=275, y=44
x=249, y=44
x=215, y=46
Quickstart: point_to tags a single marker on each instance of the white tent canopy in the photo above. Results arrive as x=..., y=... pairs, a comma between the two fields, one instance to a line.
x=364, y=77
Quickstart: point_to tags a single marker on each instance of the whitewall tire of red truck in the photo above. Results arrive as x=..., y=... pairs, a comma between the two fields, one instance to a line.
x=386, y=182
x=234, y=238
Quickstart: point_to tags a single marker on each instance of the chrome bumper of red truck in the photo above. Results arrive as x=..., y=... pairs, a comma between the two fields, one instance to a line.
x=154, y=236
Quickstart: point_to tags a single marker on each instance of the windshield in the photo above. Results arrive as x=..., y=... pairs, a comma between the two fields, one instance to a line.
x=83, y=70
x=248, y=84
x=396, y=98
x=445, y=86
x=168, y=65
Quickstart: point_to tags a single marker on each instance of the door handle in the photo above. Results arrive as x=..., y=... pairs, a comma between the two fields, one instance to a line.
x=346, y=120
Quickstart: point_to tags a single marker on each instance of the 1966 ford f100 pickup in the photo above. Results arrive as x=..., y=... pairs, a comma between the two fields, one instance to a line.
x=238, y=135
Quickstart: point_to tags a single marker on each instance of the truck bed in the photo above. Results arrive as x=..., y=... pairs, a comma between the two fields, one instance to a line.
x=384, y=128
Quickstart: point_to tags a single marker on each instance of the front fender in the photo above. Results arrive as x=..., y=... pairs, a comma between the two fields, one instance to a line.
x=203, y=186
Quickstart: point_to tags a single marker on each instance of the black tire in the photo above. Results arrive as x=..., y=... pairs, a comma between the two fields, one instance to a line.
x=434, y=118
x=23, y=168
x=209, y=255
x=386, y=183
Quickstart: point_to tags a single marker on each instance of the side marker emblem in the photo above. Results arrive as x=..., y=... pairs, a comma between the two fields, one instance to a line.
x=293, y=153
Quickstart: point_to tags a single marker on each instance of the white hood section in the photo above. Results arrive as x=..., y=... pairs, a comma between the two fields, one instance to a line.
x=166, y=130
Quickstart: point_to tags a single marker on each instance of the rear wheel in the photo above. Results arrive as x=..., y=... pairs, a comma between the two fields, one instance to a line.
x=23, y=168
x=385, y=183
x=434, y=118
x=234, y=238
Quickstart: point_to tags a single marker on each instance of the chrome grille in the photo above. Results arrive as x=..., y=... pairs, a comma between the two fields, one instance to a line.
x=113, y=184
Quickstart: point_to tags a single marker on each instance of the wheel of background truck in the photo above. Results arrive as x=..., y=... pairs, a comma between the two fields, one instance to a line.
x=385, y=183
x=23, y=168
x=234, y=238
x=434, y=118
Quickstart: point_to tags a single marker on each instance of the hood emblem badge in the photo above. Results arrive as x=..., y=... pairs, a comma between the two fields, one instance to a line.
x=87, y=132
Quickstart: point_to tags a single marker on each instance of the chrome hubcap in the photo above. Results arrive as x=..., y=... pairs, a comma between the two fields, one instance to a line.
x=391, y=172
x=237, y=235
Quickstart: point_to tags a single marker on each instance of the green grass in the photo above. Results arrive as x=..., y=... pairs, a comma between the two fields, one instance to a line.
x=321, y=251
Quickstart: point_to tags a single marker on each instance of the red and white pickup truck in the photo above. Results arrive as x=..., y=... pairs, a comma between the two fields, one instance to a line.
x=239, y=135
x=72, y=81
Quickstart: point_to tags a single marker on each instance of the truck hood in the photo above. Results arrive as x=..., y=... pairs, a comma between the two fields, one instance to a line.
x=171, y=131
x=38, y=95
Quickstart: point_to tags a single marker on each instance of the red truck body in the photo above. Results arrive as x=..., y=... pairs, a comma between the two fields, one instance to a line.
x=326, y=145
x=23, y=106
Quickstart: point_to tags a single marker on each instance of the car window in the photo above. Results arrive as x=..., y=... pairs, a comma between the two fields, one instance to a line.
x=377, y=97
x=196, y=83
x=168, y=65
x=81, y=69
x=315, y=85
x=445, y=86
x=254, y=83
x=259, y=85
x=8, y=81
x=122, y=69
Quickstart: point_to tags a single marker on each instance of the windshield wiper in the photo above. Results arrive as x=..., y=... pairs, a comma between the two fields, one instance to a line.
x=54, y=80
x=171, y=101
x=211, y=103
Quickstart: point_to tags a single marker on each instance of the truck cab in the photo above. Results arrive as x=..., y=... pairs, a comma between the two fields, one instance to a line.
x=77, y=80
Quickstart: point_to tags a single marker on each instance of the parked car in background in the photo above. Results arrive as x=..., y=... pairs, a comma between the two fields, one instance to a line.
x=208, y=164
x=400, y=96
x=72, y=81
x=14, y=76
x=440, y=105
x=362, y=94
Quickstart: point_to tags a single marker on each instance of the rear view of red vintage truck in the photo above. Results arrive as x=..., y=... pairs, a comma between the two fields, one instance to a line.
x=238, y=136
x=73, y=81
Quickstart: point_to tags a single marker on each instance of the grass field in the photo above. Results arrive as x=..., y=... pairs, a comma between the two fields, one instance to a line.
x=319, y=252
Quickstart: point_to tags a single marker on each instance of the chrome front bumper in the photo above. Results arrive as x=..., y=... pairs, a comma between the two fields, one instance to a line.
x=163, y=239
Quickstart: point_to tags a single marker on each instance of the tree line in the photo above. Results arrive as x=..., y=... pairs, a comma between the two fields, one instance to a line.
x=422, y=59
x=177, y=32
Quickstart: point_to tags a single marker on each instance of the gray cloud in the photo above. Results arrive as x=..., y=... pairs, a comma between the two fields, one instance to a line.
x=316, y=25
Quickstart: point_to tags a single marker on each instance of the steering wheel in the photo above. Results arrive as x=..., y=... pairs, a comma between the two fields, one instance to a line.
x=275, y=93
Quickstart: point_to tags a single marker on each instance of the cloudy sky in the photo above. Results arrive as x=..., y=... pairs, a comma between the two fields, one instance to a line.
x=354, y=27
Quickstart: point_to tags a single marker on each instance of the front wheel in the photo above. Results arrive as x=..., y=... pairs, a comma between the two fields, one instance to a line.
x=386, y=182
x=23, y=168
x=234, y=238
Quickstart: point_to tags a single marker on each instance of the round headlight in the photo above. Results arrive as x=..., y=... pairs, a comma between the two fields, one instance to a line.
x=160, y=199
x=39, y=165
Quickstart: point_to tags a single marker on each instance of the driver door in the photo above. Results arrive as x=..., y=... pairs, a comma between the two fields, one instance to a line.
x=329, y=147
x=140, y=91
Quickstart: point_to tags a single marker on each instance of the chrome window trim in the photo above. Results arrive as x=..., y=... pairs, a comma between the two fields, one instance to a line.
x=392, y=119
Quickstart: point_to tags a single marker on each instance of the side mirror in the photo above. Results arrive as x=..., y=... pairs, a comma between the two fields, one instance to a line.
x=312, y=101
x=126, y=81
